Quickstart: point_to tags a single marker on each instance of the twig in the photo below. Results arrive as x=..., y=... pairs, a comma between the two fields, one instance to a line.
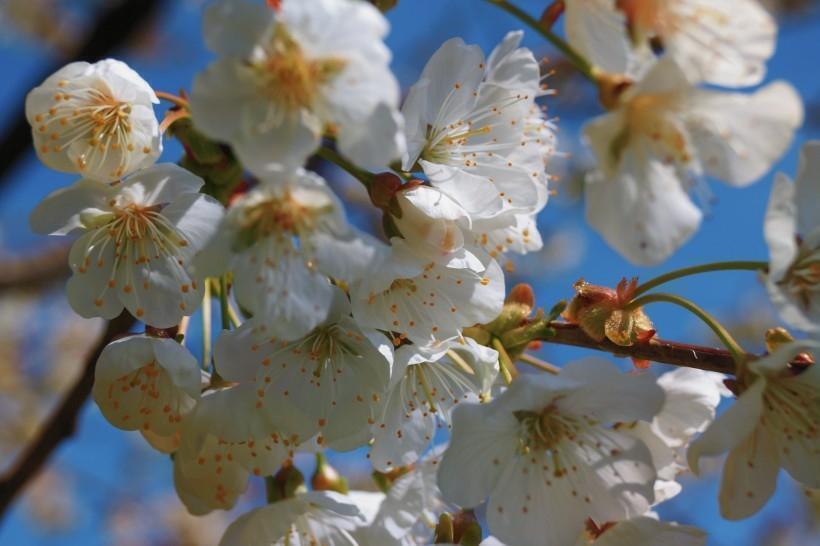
x=62, y=423
x=34, y=270
x=655, y=350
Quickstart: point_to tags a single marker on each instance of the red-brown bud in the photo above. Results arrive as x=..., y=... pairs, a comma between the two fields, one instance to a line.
x=383, y=188
x=522, y=294
x=603, y=313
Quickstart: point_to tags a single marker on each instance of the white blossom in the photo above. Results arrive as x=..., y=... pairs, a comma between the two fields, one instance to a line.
x=283, y=79
x=690, y=402
x=792, y=230
x=664, y=131
x=425, y=300
x=543, y=453
x=424, y=387
x=137, y=239
x=146, y=383
x=307, y=519
x=95, y=119
x=467, y=119
x=332, y=379
x=728, y=41
x=774, y=423
x=284, y=241
x=225, y=441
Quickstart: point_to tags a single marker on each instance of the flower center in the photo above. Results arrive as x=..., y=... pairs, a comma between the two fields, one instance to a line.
x=290, y=79
x=89, y=116
x=803, y=278
x=652, y=117
x=546, y=429
x=281, y=216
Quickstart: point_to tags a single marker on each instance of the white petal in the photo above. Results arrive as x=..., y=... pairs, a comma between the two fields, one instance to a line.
x=780, y=227
x=233, y=27
x=808, y=188
x=597, y=31
x=749, y=476
x=731, y=428
x=59, y=213
x=646, y=531
x=644, y=213
x=737, y=136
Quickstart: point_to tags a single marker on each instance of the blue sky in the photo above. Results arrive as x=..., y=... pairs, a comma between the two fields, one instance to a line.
x=732, y=230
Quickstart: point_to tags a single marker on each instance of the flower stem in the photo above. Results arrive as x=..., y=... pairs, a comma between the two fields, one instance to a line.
x=539, y=364
x=225, y=312
x=738, y=354
x=580, y=63
x=696, y=269
x=206, y=327
x=175, y=99
x=508, y=369
x=332, y=156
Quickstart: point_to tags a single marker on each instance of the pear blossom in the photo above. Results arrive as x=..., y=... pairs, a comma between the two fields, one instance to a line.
x=664, y=130
x=467, y=119
x=284, y=78
x=315, y=517
x=424, y=387
x=646, y=531
x=690, y=402
x=728, y=41
x=284, y=241
x=407, y=513
x=225, y=441
x=146, y=383
x=543, y=453
x=792, y=230
x=137, y=239
x=95, y=119
x=426, y=300
x=332, y=380
x=774, y=423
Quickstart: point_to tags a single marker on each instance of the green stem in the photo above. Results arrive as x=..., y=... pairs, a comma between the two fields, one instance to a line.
x=583, y=66
x=332, y=156
x=696, y=269
x=225, y=313
x=206, y=326
x=508, y=369
x=725, y=337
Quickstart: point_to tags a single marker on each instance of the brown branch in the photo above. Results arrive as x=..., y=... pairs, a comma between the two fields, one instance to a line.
x=656, y=350
x=62, y=423
x=34, y=270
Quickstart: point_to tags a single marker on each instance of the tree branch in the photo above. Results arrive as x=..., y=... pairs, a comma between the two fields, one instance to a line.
x=62, y=423
x=655, y=350
x=34, y=270
x=115, y=25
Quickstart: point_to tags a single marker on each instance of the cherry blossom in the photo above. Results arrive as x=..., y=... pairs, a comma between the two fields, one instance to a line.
x=792, y=230
x=284, y=241
x=728, y=41
x=146, y=383
x=95, y=119
x=224, y=442
x=773, y=424
x=137, y=239
x=424, y=387
x=544, y=456
x=646, y=531
x=664, y=130
x=332, y=380
x=425, y=300
x=284, y=78
x=467, y=119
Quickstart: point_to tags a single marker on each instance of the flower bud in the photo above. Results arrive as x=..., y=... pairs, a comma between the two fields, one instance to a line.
x=603, y=313
x=552, y=13
x=326, y=478
x=285, y=483
x=383, y=188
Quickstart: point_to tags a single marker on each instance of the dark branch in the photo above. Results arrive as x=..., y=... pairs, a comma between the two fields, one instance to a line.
x=35, y=270
x=62, y=423
x=116, y=24
x=656, y=350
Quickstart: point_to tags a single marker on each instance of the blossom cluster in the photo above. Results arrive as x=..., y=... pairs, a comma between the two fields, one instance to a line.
x=334, y=338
